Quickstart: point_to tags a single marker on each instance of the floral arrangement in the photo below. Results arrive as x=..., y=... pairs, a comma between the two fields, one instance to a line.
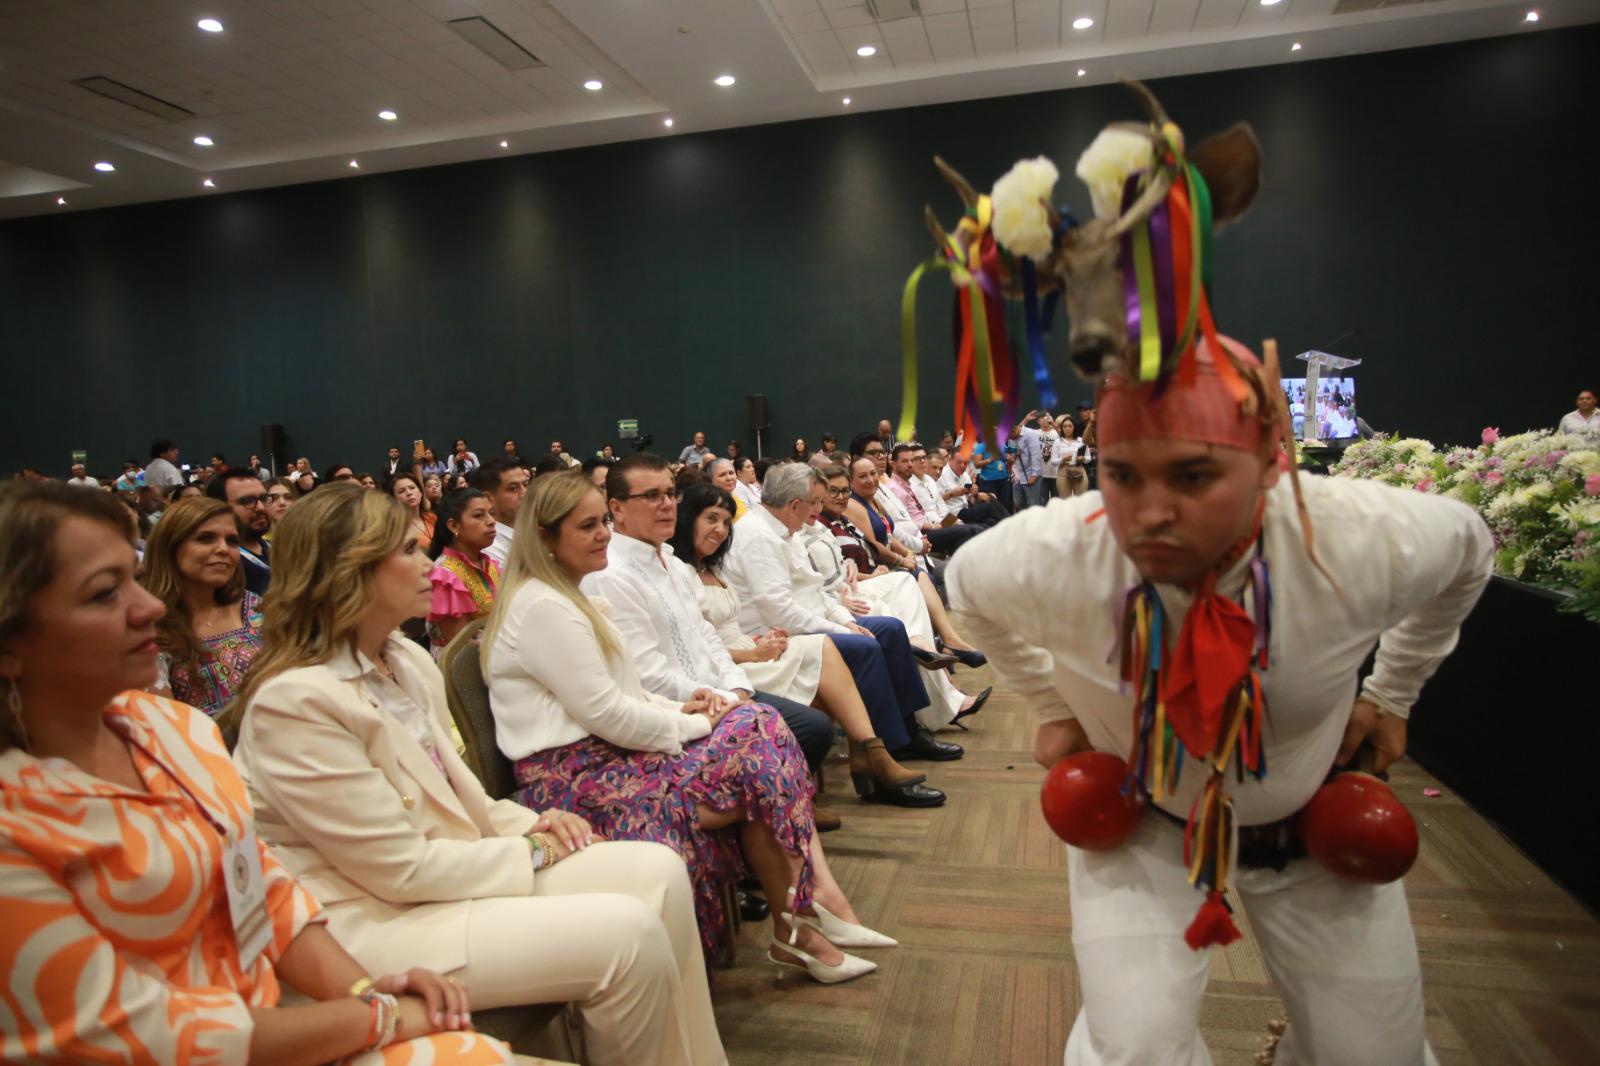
x=1539, y=493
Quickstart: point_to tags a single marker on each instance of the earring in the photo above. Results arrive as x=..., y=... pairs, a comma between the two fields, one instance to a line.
x=14, y=703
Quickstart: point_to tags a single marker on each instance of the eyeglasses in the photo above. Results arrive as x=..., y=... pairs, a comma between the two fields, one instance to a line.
x=838, y=494
x=872, y=451
x=653, y=496
x=250, y=503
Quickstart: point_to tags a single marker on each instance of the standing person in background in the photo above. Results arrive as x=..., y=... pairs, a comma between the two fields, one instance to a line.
x=1050, y=456
x=694, y=452
x=1585, y=421
x=505, y=483
x=1072, y=479
x=162, y=471
x=393, y=464
x=1029, y=468
x=80, y=477
x=886, y=435
x=211, y=631
x=465, y=577
x=240, y=490
x=461, y=460
x=992, y=477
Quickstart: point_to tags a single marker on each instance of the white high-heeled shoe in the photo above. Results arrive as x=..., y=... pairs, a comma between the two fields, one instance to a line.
x=843, y=934
x=848, y=969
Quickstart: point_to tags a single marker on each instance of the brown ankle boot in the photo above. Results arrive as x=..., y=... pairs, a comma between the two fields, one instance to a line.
x=872, y=765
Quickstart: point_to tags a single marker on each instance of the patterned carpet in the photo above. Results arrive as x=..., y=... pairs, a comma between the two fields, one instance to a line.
x=976, y=894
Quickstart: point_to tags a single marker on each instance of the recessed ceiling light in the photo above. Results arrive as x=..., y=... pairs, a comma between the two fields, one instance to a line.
x=867, y=51
x=593, y=85
x=1270, y=3
x=210, y=25
x=1082, y=23
x=61, y=201
x=847, y=101
x=724, y=80
x=1532, y=16
x=667, y=122
x=104, y=168
x=208, y=183
x=203, y=141
x=387, y=115
x=505, y=144
x=1081, y=72
x=354, y=165
x=1295, y=47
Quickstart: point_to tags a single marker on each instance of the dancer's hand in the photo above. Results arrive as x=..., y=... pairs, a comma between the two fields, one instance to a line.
x=1385, y=732
x=1056, y=740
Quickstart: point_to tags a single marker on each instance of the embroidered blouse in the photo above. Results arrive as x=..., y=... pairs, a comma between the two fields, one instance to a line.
x=460, y=590
x=211, y=681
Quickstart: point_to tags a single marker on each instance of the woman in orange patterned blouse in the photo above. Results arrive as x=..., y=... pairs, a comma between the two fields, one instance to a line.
x=143, y=921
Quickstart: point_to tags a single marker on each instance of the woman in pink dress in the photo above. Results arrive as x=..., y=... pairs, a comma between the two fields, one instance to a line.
x=464, y=578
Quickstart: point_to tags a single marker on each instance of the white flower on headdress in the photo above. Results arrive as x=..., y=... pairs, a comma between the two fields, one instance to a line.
x=1021, y=223
x=1105, y=165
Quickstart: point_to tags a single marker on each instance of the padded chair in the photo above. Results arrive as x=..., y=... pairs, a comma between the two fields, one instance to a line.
x=543, y=1028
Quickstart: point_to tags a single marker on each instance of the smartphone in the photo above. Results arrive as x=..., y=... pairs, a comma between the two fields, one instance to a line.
x=417, y=447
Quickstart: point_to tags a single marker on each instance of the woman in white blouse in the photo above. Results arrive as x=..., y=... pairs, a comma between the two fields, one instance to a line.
x=703, y=777
x=344, y=742
x=746, y=486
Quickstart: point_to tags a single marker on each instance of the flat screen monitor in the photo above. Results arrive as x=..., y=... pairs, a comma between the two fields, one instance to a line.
x=1333, y=413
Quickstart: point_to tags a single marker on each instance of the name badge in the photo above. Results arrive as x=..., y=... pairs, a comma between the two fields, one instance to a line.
x=247, y=898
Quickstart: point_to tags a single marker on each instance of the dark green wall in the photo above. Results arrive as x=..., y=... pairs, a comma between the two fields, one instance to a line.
x=1435, y=199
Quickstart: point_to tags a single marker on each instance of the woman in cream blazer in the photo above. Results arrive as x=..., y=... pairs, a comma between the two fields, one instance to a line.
x=345, y=747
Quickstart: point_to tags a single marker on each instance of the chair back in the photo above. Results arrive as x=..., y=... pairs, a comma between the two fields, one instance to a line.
x=468, y=697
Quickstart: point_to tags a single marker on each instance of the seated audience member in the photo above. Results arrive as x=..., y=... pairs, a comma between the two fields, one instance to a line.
x=827, y=454
x=800, y=454
x=746, y=485
x=1584, y=420
x=902, y=483
x=405, y=488
x=116, y=903
x=778, y=589
x=132, y=477
x=139, y=525
x=303, y=477
x=211, y=631
x=895, y=595
x=162, y=471
x=338, y=472
x=393, y=464
x=994, y=478
x=461, y=460
x=721, y=473
x=465, y=576
x=185, y=491
x=81, y=479
x=1072, y=479
x=245, y=495
x=802, y=667
x=509, y=448
x=901, y=527
x=261, y=472
x=432, y=465
x=863, y=512
x=344, y=744
x=694, y=451
x=367, y=481
x=733, y=451
x=924, y=482
x=596, y=467
x=280, y=494
x=960, y=492
x=548, y=464
x=505, y=483
x=689, y=475
x=433, y=489
x=885, y=435
x=703, y=777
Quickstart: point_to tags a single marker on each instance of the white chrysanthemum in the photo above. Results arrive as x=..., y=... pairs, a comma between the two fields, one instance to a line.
x=1021, y=223
x=1105, y=165
x=1578, y=514
x=1500, y=506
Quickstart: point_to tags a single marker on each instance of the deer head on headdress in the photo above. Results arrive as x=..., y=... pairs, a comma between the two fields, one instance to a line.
x=1131, y=277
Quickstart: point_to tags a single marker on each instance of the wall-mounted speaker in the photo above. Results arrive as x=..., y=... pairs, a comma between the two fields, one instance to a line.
x=759, y=414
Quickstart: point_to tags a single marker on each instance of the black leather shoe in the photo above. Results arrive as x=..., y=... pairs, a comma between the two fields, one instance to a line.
x=974, y=659
x=977, y=705
x=933, y=660
x=752, y=908
x=906, y=796
x=924, y=746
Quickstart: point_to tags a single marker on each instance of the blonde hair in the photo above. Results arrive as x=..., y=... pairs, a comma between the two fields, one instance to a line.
x=324, y=555
x=547, y=505
x=175, y=631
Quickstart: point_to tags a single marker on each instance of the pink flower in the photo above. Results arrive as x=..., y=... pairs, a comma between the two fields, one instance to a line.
x=1493, y=462
x=1553, y=459
x=1493, y=479
x=1591, y=485
x=1425, y=485
x=1399, y=468
x=1490, y=435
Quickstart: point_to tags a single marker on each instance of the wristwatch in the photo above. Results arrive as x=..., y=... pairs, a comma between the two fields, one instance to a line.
x=538, y=853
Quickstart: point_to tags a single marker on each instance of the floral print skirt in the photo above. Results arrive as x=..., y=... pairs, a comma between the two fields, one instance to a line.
x=750, y=763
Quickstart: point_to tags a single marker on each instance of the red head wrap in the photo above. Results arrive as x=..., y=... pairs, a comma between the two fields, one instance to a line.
x=1198, y=405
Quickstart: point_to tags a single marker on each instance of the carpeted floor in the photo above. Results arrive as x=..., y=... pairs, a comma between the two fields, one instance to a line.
x=976, y=893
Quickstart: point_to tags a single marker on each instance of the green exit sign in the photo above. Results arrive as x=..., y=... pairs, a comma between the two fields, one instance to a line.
x=627, y=425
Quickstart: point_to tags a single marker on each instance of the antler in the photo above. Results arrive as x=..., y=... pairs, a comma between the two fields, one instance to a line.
x=1158, y=114
x=940, y=237
x=962, y=186
x=1149, y=200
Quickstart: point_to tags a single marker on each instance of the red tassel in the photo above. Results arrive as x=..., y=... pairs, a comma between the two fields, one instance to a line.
x=1212, y=924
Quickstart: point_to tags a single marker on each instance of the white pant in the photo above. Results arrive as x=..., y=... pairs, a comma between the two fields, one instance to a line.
x=611, y=928
x=1342, y=955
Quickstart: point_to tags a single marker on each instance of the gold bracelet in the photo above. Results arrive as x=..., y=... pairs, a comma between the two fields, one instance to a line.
x=549, y=844
x=360, y=988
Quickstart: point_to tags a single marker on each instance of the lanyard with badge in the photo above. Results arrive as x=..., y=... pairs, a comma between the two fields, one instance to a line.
x=241, y=873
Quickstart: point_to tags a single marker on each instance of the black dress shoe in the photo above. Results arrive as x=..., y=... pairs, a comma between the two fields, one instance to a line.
x=933, y=660
x=924, y=746
x=977, y=705
x=752, y=908
x=906, y=796
x=974, y=659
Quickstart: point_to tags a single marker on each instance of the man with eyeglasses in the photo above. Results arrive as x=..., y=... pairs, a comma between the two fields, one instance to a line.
x=244, y=494
x=505, y=482
x=655, y=603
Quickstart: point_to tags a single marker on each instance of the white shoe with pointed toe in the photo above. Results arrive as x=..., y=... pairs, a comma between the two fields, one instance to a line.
x=847, y=969
x=843, y=934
